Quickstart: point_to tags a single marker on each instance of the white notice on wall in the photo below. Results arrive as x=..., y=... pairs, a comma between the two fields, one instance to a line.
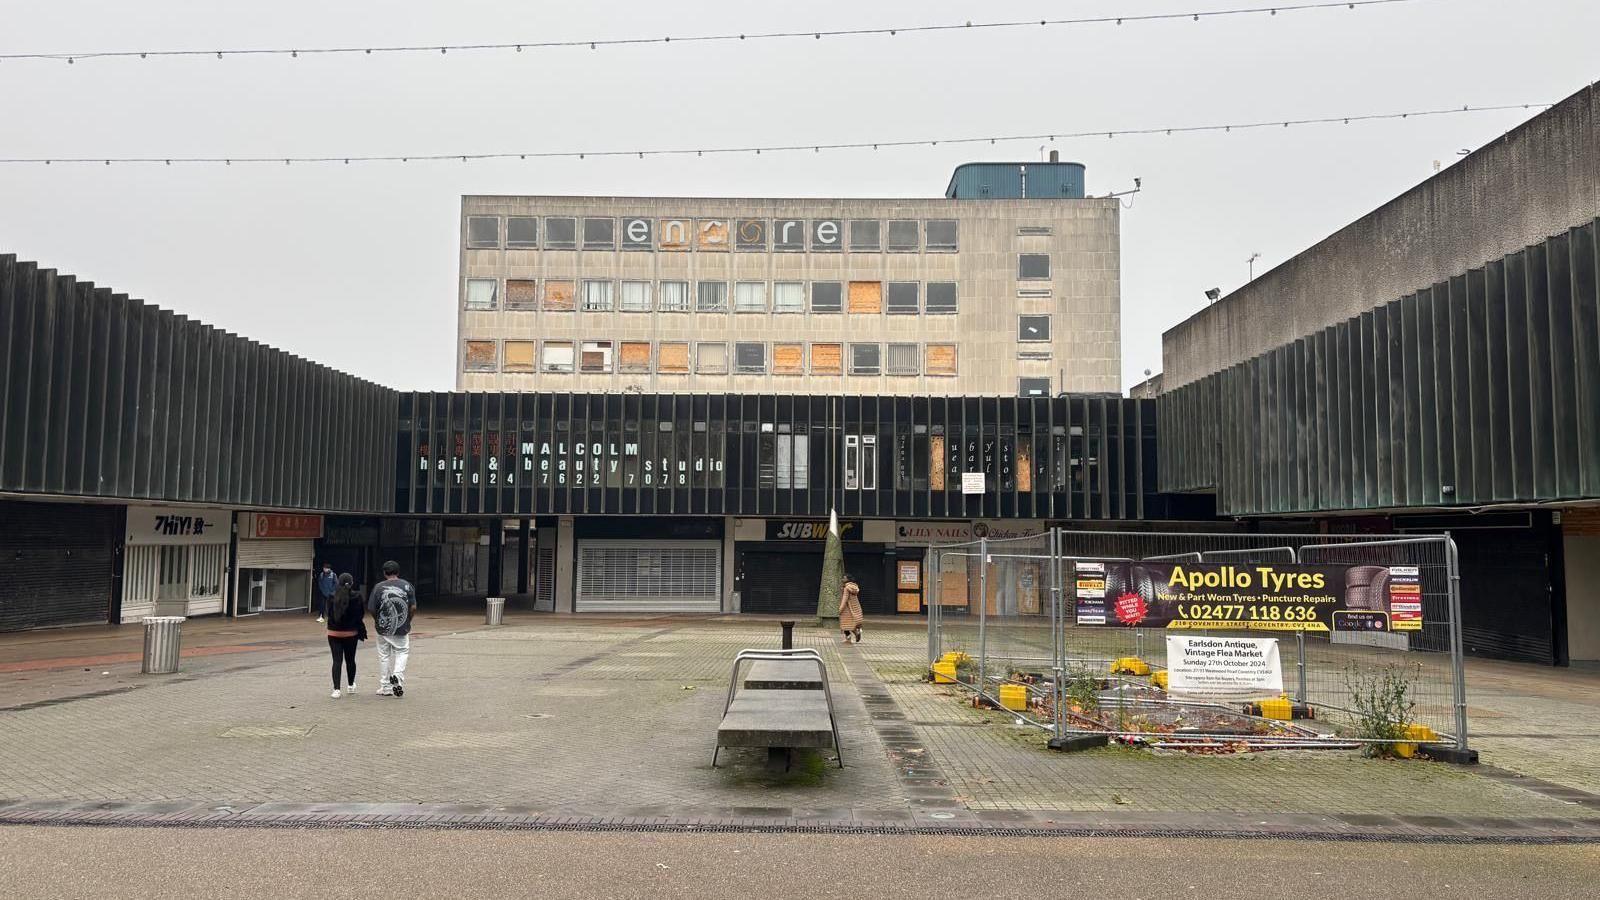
x=972, y=483
x=1223, y=668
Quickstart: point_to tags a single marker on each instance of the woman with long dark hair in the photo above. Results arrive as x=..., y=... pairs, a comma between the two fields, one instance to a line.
x=345, y=629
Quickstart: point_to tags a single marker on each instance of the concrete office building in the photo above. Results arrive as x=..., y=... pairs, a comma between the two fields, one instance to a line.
x=994, y=289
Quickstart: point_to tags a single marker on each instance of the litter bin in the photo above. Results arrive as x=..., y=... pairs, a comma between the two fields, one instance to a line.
x=163, y=636
x=496, y=613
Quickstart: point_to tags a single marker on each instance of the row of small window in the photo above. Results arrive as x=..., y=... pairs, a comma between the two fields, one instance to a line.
x=751, y=235
x=710, y=358
x=864, y=297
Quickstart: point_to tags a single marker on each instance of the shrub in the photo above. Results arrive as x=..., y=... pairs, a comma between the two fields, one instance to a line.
x=1382, y=701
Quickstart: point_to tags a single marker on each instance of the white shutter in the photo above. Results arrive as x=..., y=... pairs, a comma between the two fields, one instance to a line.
x=649, y=576
x=275, y=555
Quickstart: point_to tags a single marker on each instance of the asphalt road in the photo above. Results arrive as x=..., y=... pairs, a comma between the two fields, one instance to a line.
x=401, y=863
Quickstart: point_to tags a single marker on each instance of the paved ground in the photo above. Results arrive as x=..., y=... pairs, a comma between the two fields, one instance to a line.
x=606, y=717
x=141, y=864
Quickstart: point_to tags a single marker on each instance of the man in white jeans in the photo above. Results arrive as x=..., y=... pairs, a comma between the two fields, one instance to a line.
x=392, y=604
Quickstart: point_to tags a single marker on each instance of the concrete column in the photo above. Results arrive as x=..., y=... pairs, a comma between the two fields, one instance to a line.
x=523, y=528
x=566, y=561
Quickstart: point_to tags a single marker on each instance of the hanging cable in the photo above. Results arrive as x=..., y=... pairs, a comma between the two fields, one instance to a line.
x=597, y=43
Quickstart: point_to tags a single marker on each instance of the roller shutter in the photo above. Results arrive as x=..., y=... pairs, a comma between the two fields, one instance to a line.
x=58, y=563
x=649, y=576
x=275, y=555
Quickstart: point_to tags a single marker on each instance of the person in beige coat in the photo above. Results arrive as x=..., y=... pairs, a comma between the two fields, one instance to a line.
x=850, y=611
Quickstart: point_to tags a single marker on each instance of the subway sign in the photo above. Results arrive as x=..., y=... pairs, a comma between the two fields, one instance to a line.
x=811, y=529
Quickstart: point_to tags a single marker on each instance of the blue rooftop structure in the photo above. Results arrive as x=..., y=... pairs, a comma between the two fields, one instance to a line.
x=1017, y=180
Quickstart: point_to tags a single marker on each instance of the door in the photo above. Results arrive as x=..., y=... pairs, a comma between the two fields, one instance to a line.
x=255, y=590
x=908, y=585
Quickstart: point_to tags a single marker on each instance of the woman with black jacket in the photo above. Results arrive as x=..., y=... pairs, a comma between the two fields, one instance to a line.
x=345, y=628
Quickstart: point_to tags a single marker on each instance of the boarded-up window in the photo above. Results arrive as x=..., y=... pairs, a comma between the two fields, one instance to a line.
x=941, y=359
x=673, y=358
x=519, y=356
x=558, y=295
x=522, y=294
x=480, y=356
x=936, y=462
x=788, y=359
x=635, y=356
x=595, y=356
x=827, y=359
x=866, y=297
x=557, y=357
x=1025, y=462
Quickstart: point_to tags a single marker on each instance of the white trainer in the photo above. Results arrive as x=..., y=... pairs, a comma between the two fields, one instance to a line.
x=385, y=691
x=335, y=695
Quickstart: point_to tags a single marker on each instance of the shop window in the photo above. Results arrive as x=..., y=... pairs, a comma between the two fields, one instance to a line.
x=711, y=358
x=519, y=356
x=599, y=234
x=941, y=298
x=481, y=293
x=480, y=356
x=483, y=231
x=865, y=235
x=789, y=297
x=903, y=359
x=522, y=232
x=522, y=293
x=712, y=296
x=674, y=296
x=1033, y=387
x=556, y=357
x=597, y=296
x=750, y=296
x=1033, y=328
x=866, y=359
x=793, y=464
x=866, y=297
x=904, y=298
x=941, y=359
x=827, y=359
x=634, y=356
x=1033, y=266
x=558, y=296
x=788, y=359
x=560, y=233
x=673, y=358
x=904, y=236
x=941, y=234
x=636, y=296
x=750, y=358
x=595, y=357
x=825, y=297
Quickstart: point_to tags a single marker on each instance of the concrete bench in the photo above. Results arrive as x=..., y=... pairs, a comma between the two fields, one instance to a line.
x=784, y=704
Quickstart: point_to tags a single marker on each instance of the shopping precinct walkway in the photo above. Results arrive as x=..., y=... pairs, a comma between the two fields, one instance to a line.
x=554, y=718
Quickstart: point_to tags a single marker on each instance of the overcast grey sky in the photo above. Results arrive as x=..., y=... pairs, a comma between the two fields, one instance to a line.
x=355, y=266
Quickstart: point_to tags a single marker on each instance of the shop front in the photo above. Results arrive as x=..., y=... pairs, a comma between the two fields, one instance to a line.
x=778, y=564
x=58, y=563
x=176, y=561
x=648, y=565
x=275, y=562
x=939, y=559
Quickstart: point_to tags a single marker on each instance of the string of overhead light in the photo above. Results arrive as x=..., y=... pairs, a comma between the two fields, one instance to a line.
x=774, y=148
x=595, y=44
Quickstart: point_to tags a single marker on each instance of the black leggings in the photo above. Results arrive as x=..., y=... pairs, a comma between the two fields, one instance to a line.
x=343, y=649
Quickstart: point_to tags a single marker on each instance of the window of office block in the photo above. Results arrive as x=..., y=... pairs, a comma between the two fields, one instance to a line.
x=558, y=296
x=1033, y=266
x=789, y=297
x=636, y=296
x=522, y=293
x=556, y=356
x=750, y=296
x=1033, y=328
x=599, y=234
x=941, y=359
x=483, y=231
x=522, y=232
x=941, y=235
x=560, y=233
x=903, y=359
x=480, y=356
x=825, y=297
x=520, y=356
x=711, y=358
x=595, y=357
x=866, y=359
x=1033, y=387
x=941, y=298
x=674, y=296
x=481, y=293
x=788, y=359
x=634, y=356
x=904, y=297
x=597, y=296
x=750, y=358
x=866, y=235
x=793, y=461
x=827, y=359
x=712, y=296
x=866, y=297
x=904, y=236
x=672, y=358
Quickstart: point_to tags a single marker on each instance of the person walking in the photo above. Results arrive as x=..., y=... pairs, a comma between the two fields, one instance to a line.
x=850, y=611
x=347, y=626
x=392, y=604
x=326, y=585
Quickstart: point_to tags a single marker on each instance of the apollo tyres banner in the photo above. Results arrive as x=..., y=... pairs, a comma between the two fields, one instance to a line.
x=1260, y=596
